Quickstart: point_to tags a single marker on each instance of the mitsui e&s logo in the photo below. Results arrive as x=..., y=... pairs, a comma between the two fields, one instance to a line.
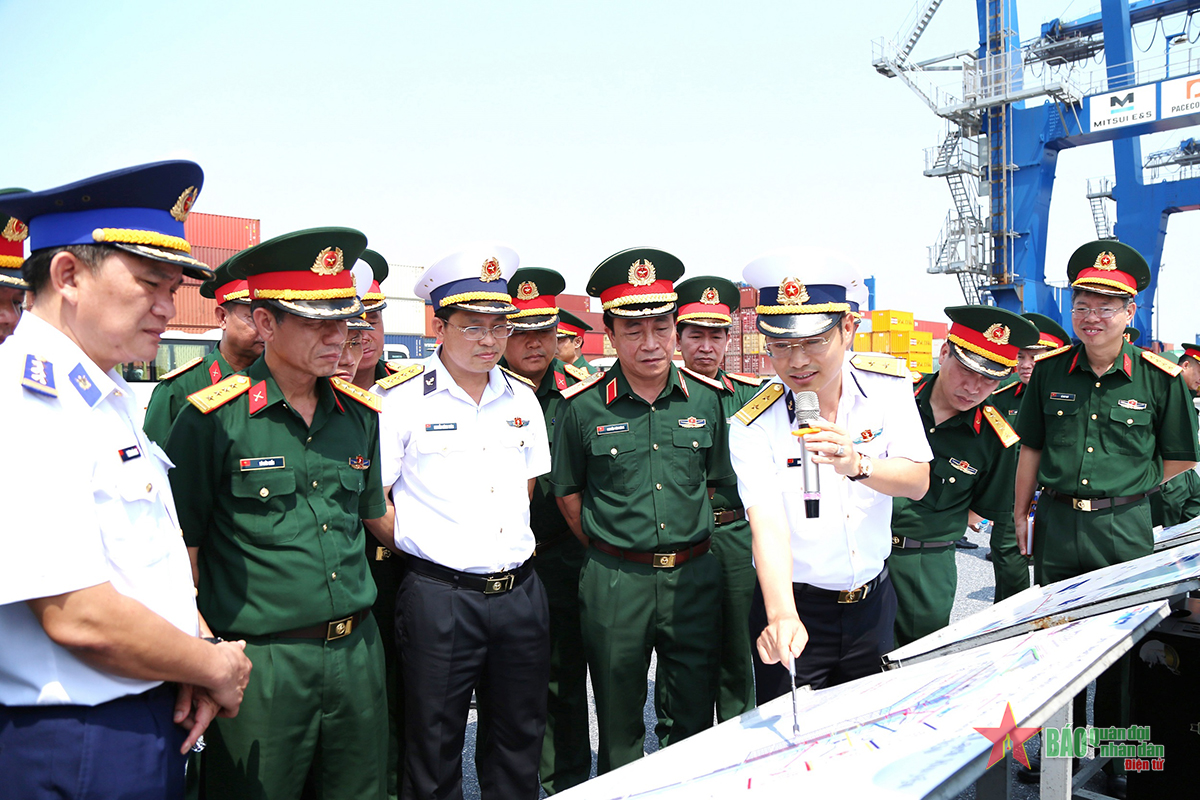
x=1126, y=107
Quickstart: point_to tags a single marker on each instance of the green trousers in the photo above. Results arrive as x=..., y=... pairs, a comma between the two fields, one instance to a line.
x=925, y=581
x=1009, y=566
x=567, y=747
x=1178, y=500
x=311, y=705
x=628, y=610
x=735, y=681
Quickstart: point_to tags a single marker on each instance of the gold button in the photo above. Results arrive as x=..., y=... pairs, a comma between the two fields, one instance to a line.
x=1127, y=422
x=931, y=430
x=613, y=451
x=658, y=486
x=662, y=525
x=334, y=576
x=655, y=447
x=324, y=527
x=652, y=408
x=1089, y=449
x=1097, y=384
x=952, y=479
x=1093, y=416
x=309, y=439
x=263, y=492
x=697, y=444
x=314, y=484
x=1060, y=413
x=150, y=486
x=1084, y=481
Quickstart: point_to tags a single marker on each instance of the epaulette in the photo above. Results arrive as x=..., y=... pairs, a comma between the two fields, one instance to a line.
x=182, y=368
x=703, y=379
x=1004, y=389
x=1162, y=363
x=39, y=376
x=371, y=401
x=749, y=380
x=591, y=380
x=521, y=378
x=761, y=402
x=400, y=376
x=1051, y=353
x=219, y=394
x=395, y=365
x=578, y=373
x=881, y=365
x=1008, y=437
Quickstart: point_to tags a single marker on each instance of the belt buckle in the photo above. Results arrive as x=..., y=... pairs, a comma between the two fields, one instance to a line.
x=339, y=628
x=717, y=518
x=499, y=584
x=898, y=541
x=382, y=553
x=852, y=596
x=664, y=560
x=1081, y=504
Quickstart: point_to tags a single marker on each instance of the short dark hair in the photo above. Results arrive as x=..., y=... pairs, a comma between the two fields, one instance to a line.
x=36, y=269
x=1189, y=357
x=443, y=313
x=276, y=312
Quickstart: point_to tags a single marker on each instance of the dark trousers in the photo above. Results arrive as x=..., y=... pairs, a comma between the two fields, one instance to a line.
x=846, y=641
x=125, y=748
x=452, y=641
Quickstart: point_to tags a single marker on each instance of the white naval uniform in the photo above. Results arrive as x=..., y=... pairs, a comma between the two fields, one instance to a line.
x=86, y=501
x=847, y=544
x=459, y=471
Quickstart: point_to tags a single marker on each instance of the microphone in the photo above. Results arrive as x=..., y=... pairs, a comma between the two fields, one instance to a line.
x=808, y=408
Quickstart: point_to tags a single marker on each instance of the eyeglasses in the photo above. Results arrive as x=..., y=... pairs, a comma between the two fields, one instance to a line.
x=352, y=344
x=815, y=346
x=1081, y=312
x=477, y=333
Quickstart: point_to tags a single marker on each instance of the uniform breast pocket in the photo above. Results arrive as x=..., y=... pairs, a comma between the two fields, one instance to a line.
x=949, y=486
x=691, y=452
x=1062, y=422
x=131, y=507
x=265, y=505
x=616, y=462
x=1128, y=432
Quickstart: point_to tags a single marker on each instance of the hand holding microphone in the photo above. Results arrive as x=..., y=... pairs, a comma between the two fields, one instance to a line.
x=823, y=443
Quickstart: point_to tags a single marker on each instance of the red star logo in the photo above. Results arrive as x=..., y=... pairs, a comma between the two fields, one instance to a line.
x=1008, y=732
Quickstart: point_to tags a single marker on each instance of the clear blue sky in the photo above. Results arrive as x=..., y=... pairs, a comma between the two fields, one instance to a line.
x=570, y=130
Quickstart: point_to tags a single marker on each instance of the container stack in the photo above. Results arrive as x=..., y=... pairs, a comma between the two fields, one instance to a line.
x=896, y=333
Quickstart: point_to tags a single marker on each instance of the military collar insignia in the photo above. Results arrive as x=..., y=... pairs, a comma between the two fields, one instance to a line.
x=258, y=397
x=431, y=382
x=83, y=384
x=1132, y=404
x=359, y=462
x=868, y=435
x=560, y=380
x=963, y=466
x=610, y=391
x=692, y=422
x=329, y=261
x=527, y=290
x=39, y=376
x=710, y=297
x=1105, y=261
x=490, y=270
x=792, y=293
x=184, y=204
x=214, y=372
x=15, y=230
x=641, y=273
x=997, y=333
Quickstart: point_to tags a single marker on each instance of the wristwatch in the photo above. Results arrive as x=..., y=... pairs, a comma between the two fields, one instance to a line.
x=864, y=468
x=212, y=639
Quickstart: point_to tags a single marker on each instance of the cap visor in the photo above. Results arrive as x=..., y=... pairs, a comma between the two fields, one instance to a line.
x=374, y=305
x=1107, y=291
x=485, y=307
x=796, y=326
x=191, y=267
x=341, y=308
x=980, y=365
x=638, y=310
x=534, y=323
x=359, y=324
x=11, y=279
x=706, y=323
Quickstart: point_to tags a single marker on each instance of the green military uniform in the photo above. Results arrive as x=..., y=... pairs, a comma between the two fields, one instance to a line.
x=170, y=395
x=1102, y=437
x=1178, y=500
x=973, y=464
x=642, y=470
x=1010, y=568
x=275, y=507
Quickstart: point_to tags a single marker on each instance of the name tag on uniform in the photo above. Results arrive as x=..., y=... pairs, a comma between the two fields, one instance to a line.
x=692, y=422
x=130, y=453
x=1012, y=412
x=1062, y=396
x=1133, y=404
x=441, y=426
x=795, y=462
x=619, y=428
x=270, y=462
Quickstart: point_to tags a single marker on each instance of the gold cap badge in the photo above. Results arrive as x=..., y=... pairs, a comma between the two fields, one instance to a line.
x=997, y=333
x=490, y=271
x=15, y=230
x=710, y=297
x=184, y=204
x=1105, y=261
x=329, y=261
x=527, y=290
x=792, y=292
x=641, y=273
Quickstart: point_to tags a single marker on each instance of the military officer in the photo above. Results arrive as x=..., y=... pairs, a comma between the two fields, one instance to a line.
x=1103, y=424
x=706, y=306
x=570, y=345
x=1179, y=500
x=463, y=442
x=1011, y=569
x=275, y=469
x=372, y=367
x=972, y=449
x=13, y=233
x=634, y=449
x=566, y=748
x=240, y=345
x=825, y=598
x=97, y=616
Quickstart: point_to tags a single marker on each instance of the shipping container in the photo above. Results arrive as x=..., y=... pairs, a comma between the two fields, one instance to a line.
x=404, y=316
x=735, y=345
x=862, y=342
x=401, y=280
x=748, y=298
x=213, y=256
x=891, y=320
x=732, y=362
x=594, y=343
x=937, y=329
x=193, y=313
x=403, y=346
x=217, y=231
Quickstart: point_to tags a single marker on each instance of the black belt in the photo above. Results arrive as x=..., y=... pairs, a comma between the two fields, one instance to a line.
x=1096, y=503
x=499, y=583
x=663, y=560
x=904, y=543
x=329, y=631
x=726, y=516
x=852, y=596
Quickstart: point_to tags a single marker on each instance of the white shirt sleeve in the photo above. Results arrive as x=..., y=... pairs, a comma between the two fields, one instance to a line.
x=537, y=455
x=753, y=461
x=903, y=422
x=395, y=422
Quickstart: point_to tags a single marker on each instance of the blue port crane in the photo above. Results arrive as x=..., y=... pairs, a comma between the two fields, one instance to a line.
x=1022, y=104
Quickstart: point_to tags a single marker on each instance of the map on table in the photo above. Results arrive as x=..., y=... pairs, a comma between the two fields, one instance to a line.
x=905, y=733
x=1156, y=576
x=1177, y=534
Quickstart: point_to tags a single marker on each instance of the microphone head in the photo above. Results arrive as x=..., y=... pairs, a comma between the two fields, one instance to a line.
x=808, y=407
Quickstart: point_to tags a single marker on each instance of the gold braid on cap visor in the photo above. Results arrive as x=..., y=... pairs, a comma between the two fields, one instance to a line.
x=304, y=294
x=552, y=311
x=981, y=351
x=11, y=262
x=710, y=316
x=467, y=297
x=1083, y=283
x=816, y=308
x=130, y=236
x=631, y=299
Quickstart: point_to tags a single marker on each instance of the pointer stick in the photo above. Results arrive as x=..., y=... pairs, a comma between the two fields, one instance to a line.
x=795, y=716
